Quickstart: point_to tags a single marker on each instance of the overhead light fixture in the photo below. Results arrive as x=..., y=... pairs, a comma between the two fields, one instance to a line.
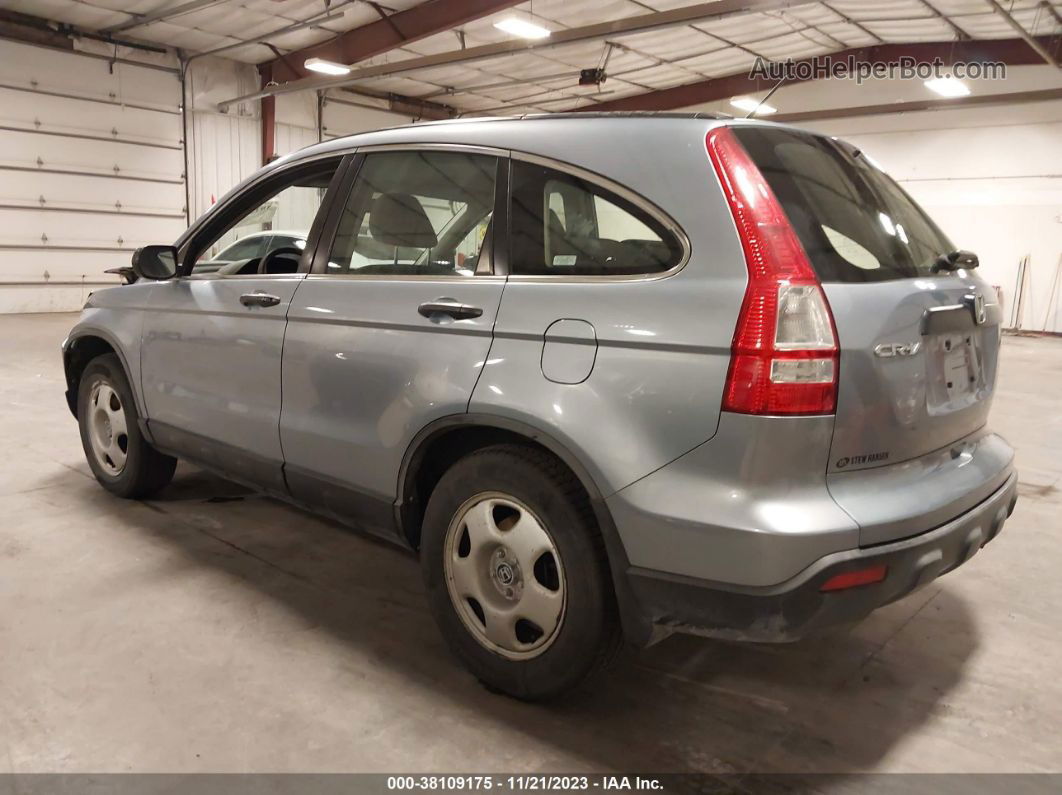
x=522, y=28
x=326, y=67
x=750, y=105
x=948, y=87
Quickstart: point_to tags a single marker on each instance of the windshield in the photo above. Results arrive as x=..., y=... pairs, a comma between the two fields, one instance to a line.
x=855, y=223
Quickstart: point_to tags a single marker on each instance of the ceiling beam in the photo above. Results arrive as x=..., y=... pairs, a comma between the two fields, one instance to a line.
x=389, y=32
x=1025, y=35
x=166, y=12
x=973, y=100
x=1013, y=52
x=699, y=12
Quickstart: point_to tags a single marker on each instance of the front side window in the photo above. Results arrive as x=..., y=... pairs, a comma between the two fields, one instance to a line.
x=246, y=241
x=417, y=213
x=244, y=248
x=563, y=225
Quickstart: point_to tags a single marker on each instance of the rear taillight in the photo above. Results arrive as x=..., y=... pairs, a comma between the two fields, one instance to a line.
x=784, y=358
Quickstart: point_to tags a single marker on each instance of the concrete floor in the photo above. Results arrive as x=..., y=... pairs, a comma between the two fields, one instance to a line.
x=213, y=630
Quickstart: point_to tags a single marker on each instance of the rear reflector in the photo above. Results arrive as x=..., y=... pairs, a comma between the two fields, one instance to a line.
x=853, y=579
x=784, y=357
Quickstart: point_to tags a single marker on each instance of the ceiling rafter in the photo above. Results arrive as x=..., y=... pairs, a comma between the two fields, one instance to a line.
x=1014, y=52
x=684, y=15
x=1025, y=35
x=389, y=32
x=959, y=32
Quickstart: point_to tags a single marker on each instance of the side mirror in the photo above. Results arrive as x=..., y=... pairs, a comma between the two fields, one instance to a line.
x=155, y=262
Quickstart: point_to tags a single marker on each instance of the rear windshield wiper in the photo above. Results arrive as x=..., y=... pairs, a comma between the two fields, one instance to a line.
x=955, y=260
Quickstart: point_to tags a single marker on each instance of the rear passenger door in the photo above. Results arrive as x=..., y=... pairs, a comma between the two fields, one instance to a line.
x=391, y=328
x=602, y=337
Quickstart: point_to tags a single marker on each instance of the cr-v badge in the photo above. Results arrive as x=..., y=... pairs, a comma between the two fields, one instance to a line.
x=889, y=350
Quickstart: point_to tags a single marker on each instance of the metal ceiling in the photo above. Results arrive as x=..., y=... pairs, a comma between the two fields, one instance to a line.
x=547, y=80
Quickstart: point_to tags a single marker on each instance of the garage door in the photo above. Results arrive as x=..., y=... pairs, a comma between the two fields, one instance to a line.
x=91, y=166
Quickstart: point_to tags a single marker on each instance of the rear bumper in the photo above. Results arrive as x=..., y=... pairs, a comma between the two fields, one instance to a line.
x=795, y=608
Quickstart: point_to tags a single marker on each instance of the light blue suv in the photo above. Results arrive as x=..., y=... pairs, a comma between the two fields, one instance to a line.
x=610, y=376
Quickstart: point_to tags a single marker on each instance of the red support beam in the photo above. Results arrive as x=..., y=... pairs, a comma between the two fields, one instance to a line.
x=426, y=19
x=269, y=117
x=1013, y=52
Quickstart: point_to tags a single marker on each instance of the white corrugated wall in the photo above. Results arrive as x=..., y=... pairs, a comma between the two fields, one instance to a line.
x=91, y=166
x=223, y=148
x=93, y=158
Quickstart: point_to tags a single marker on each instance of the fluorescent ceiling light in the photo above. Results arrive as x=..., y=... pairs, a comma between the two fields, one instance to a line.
x=749, y=105
x=948, y=87
x=326, y=67
x=522, y=28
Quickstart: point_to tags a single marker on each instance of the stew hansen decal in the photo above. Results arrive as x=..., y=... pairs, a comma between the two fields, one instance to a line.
x=861, y=459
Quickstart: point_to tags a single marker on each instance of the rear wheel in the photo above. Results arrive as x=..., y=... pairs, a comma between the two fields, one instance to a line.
x=517, y=574
x=119, y=456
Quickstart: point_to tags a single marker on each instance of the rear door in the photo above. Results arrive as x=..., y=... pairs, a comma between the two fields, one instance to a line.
x=919, y=348
x=392, y=328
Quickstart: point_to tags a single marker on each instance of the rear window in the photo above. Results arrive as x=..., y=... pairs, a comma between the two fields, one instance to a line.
x=855, y=223
x=563, y=225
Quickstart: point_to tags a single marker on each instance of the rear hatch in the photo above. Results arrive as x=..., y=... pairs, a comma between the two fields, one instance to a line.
x=918, y=347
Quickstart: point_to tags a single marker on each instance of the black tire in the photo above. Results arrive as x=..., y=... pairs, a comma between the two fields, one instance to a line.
x=589, y=635
x=145, y=470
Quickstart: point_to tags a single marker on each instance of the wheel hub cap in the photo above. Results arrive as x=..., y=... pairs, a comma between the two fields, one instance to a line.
x=108, y=432
x=504, y=572
x=504, y=576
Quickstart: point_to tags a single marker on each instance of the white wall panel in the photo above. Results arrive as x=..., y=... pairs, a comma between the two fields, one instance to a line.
x=290, y=138
x=57, y=153
x=223, y=148
x=47, y=69
x=345, y=119
x=223, y=151
x=91, y=165
x=61, y=113
x=993, y=182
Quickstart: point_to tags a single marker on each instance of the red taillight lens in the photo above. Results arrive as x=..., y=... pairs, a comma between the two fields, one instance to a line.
x=784, y=357
x=853, y=579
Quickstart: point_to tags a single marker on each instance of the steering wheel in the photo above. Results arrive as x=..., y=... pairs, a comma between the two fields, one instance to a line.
x=266, y=265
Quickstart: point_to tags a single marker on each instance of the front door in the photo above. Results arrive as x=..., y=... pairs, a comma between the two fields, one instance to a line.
x=211, y=353
x=392, y=329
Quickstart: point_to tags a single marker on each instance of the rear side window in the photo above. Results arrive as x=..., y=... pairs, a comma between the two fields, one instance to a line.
x=563, y=225
x=855, y=223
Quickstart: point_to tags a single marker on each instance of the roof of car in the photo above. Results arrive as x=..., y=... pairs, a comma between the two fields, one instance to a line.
x=511, y=131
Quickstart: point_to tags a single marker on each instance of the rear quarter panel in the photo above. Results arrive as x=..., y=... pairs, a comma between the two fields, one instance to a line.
x=663, y=343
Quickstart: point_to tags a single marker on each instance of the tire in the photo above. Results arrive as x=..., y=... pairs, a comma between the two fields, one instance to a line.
x=106, y=414
x=510, y=491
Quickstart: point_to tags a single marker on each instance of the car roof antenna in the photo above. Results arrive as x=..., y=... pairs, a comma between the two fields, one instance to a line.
x=770, y=94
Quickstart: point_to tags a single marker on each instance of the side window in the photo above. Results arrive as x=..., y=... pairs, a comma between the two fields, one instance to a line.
x=279, y=217
x=563, y=225
x=417, y=213
x=246, y=248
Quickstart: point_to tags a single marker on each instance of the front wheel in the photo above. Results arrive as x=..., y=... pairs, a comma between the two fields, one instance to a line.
x=516, y=572
x=119, y=456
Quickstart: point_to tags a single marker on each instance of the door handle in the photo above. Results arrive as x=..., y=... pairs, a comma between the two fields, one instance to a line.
x=448, y=306
x=259, y=299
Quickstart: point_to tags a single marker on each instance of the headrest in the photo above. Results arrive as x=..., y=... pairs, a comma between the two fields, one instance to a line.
x=398, y=219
